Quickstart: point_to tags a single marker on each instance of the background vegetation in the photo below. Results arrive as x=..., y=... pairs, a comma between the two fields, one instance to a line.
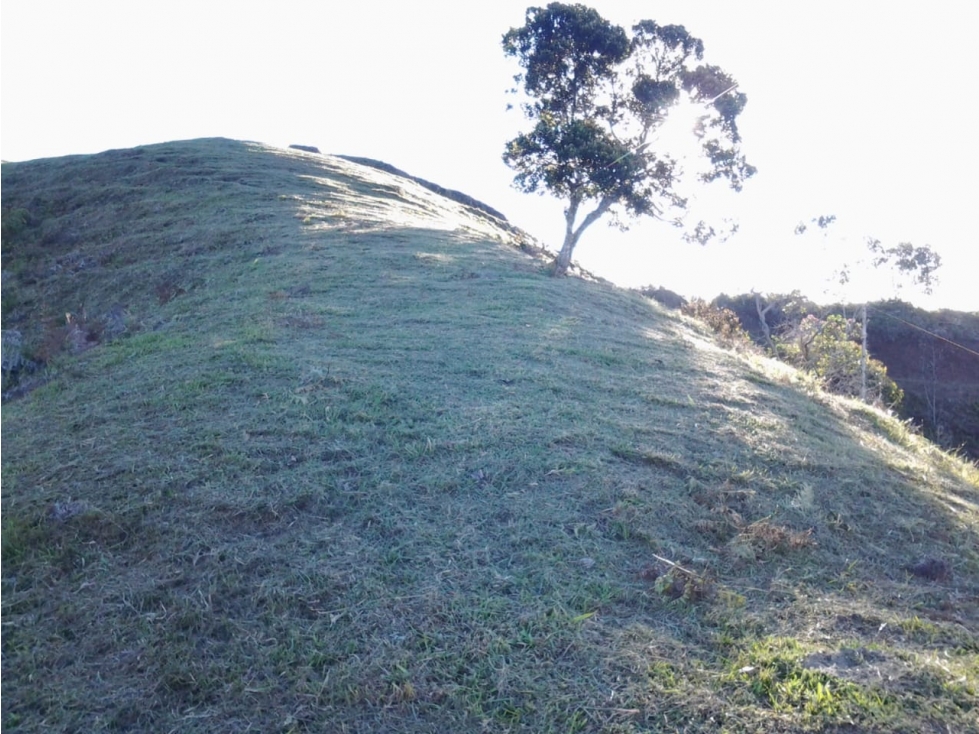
x=931, y=358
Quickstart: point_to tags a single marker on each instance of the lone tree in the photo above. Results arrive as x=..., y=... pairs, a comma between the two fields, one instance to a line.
x=597, y=96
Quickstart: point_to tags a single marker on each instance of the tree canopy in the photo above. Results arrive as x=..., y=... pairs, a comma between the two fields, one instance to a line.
x=596, y=95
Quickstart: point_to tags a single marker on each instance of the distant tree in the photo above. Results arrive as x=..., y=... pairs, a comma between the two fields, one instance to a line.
x=773, y=303
x=597, y=96
x=917, y=262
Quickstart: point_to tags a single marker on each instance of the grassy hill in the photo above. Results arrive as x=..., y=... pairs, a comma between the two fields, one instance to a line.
x=318, y=449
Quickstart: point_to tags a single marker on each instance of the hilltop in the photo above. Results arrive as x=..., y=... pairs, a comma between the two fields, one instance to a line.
x=300, y=444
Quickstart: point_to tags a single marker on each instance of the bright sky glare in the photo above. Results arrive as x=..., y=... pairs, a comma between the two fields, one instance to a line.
x=854, y=109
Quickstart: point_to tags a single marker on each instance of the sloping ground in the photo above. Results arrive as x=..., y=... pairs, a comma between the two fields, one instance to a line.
x=321, y=450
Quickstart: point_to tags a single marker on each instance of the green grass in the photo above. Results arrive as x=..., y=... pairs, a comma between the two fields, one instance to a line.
x=357, y=463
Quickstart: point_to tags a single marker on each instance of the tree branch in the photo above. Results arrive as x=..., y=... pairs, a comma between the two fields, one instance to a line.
x=602, y=207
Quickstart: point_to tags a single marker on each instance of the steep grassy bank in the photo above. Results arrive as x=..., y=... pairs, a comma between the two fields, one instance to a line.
x=325, y=451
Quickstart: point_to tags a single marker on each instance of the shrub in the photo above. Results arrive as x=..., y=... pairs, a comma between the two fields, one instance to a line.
x=830, y=349
x=722, y=321
x=13, y=223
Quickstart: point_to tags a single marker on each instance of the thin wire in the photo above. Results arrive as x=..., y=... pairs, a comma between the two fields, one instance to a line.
x=929, y=333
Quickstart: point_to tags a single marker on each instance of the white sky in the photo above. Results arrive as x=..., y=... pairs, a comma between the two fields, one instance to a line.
x=859, y=109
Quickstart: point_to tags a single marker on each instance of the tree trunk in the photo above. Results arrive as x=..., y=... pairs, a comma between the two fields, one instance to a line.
x=563, y=261
x=764, y=324
x=572, y=235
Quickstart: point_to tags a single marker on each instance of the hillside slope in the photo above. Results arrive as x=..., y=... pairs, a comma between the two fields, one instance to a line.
x=321, y=450
x=932, y=355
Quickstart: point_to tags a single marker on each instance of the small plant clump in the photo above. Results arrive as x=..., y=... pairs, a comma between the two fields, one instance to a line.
x=673, y=582
x=722, y=321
